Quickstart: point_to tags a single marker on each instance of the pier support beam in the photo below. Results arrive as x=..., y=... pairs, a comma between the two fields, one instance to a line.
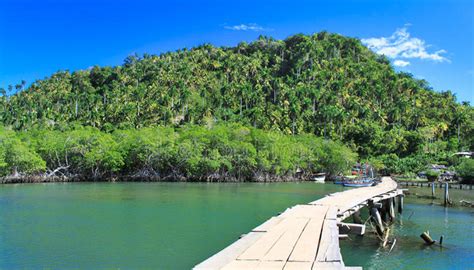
x=356, y=217
x=384, y=212
x=400, y=203
x=345, y=228
x=391, y=210
x=374, y=213
x=446, y=194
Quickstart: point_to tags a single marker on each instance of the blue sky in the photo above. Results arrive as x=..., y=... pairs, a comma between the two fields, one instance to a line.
x=431, y=39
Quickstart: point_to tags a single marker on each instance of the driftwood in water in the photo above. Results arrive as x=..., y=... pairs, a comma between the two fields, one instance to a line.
x=427, y=238
x=393, y=245
x=55, y=171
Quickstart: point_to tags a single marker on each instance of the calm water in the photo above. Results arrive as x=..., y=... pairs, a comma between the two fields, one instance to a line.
x=177, y=225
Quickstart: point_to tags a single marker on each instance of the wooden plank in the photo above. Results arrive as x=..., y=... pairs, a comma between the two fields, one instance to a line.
x=240, y=264
x=307, y=246
x=333, y=253
x=298, y=266
x=323, y=244
x=305, y=211
x=294, y=234
x=267, y=225
x=283, y=247
x=345, y=228
x=230, y=253
x=273, y=265
x=332, y=213
x=263, y=245
x=328, y=251
x=328, y=266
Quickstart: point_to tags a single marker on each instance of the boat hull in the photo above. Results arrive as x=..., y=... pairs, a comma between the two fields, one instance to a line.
x=357, y=184
x=319, y=179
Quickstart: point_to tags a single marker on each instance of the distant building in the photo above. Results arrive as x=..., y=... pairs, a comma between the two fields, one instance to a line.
x=436, y=167
x=464, y=154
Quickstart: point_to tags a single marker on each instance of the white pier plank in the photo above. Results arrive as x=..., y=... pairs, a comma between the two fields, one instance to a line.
x=283, y=247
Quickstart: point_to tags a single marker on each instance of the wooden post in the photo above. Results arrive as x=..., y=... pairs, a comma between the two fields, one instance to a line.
x=433, y=190
x=383, y=212
x=446, y=194
x=377, y=219
x=391, y=209
x=400, y=203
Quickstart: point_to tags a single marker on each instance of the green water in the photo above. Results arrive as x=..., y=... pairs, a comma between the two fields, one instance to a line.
x=177, y=225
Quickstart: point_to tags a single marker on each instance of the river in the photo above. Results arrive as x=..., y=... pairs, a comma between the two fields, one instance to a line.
x=177, y=225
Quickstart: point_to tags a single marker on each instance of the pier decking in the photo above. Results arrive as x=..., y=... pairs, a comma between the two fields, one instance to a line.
x=302, y=237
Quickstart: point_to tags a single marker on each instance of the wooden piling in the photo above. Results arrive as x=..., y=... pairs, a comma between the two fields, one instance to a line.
x=383, y=211
x=400, y=203
x=433, y=190
x=374, y=212
x=391, y=210
x=446, y=194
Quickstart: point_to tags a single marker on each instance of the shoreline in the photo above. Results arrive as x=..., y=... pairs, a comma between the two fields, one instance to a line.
x=151, y=179
x=416, y=190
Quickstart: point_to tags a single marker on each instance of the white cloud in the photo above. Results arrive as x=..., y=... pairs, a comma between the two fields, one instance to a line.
x=247, y=27
x=401, y=45
x=401, y=63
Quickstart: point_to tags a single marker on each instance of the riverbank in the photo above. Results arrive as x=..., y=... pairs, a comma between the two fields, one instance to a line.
x=128, y=178
x=460, y=195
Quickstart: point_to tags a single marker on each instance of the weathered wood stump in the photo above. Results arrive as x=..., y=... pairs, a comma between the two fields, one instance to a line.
x=427, y=238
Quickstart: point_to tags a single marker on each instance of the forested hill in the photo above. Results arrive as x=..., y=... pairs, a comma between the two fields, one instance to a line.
x=325, y=84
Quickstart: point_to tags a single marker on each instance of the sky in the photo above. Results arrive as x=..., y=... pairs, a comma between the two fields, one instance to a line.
x=433, y=40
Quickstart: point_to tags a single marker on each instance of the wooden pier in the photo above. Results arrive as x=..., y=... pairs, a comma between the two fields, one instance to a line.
x=305, y=236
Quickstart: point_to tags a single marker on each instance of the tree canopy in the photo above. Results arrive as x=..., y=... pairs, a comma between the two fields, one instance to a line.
x=323, y=84
x=226, y=152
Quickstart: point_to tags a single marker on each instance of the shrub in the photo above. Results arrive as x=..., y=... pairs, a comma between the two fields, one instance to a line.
x=432, y=175
x=466, y=170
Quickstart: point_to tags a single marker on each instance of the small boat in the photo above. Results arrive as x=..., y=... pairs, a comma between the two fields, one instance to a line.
x=339, y=180
x=319, y=177
x=359, y=183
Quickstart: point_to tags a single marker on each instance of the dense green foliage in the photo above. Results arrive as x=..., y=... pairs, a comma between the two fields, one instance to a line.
x=432, y=175
x=323, y=84
x=221, y=152
x=466, y=170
